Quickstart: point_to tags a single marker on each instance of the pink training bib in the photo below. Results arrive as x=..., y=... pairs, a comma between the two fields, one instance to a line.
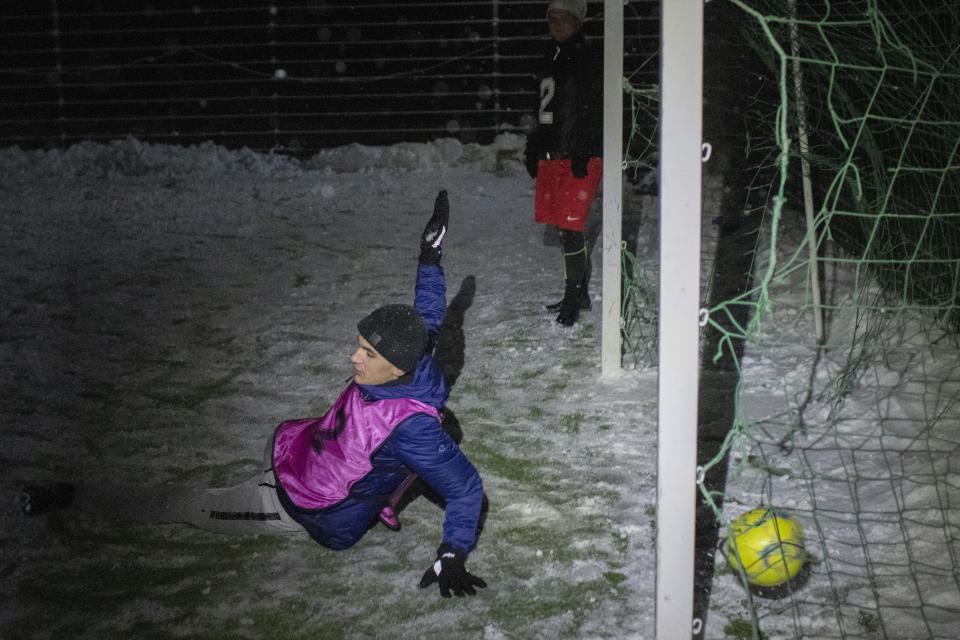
x=318, y=460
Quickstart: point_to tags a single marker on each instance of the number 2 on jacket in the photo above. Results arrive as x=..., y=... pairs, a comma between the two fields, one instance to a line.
x=548, y=87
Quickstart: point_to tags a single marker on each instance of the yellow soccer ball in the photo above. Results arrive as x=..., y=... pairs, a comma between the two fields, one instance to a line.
x=768, y=545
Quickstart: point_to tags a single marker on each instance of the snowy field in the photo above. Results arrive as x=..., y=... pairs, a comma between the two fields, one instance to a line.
x=866, y=458
x=164, y=308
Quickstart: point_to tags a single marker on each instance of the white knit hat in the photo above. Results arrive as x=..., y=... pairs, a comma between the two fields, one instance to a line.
x=577, y=7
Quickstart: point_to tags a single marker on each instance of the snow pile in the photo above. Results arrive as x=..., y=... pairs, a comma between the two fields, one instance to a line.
x=446, y=152
x=131, y=157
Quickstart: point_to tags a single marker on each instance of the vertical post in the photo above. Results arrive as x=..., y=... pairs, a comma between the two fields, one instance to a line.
x=58, y=53
x=495, y=21
x=274, y=97
x=610, y=342
x=812, y=252
x=681, y=82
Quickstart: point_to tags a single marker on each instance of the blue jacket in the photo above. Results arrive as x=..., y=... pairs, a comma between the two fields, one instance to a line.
x=418, y=444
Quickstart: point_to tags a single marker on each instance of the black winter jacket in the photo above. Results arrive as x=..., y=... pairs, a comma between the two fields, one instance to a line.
x=570, y=107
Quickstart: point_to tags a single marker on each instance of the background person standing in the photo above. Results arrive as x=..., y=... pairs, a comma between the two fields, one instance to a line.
x=564, y=153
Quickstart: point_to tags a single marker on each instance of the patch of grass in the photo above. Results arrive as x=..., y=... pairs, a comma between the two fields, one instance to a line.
x=740, y=628
x=571, y=423
x=534, y=412
x=323, y=370
x=621, y=542
x=519, y=340
x=556, y=386
x=215, y=475
x=479, y=413
x=143, y=579
x=516, y=469
x=572, y=600
x=376, y=291
x=318, y=406
x=168, y=391
x=532, y=374
x=98, y=589
x=868, y=622
x=758, y=463
x=284, y=618
x=614, y=577
x=651, y=510
x=591, y=536
x=483, y=389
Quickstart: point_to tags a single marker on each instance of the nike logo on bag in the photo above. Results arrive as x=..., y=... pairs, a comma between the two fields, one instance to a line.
x=572, y=218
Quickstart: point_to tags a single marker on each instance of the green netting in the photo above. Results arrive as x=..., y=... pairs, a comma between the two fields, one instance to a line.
x=638, y=300
x=856, y=435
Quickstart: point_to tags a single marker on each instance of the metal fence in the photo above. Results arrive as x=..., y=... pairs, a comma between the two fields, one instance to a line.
x=290, y=77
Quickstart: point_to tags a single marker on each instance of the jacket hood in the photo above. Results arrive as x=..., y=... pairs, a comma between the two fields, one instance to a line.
x=428, y=385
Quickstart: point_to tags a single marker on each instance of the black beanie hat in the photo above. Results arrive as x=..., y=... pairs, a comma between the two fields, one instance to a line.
x=397, y=332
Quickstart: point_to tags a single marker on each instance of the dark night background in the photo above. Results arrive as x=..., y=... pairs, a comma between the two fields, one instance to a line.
x=285, y=76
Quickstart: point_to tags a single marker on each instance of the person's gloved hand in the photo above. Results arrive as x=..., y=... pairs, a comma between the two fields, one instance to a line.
x=578, y=166
x=448, y=571
x=430, y=250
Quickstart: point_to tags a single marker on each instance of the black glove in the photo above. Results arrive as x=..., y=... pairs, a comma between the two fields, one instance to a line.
x=532, y=163
x=450, y=573
x=430, y=250
x=578, y=166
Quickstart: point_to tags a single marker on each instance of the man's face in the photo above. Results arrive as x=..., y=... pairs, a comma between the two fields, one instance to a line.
x=563, y=24
x=369, y=367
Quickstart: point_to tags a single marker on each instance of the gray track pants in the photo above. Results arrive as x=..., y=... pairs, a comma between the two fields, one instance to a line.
x=251, y=507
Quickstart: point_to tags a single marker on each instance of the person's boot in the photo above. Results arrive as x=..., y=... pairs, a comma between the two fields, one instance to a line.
x=36, y=500
x=570, y=305
x=576, y=268
x=585, y=303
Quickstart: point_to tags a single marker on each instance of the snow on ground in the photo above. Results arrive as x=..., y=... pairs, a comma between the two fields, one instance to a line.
x=164, y=308
x=867, y=463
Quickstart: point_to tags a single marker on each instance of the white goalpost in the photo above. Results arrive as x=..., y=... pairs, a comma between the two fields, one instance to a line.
x=610, y=341
x=681, y=79
x=681, y=88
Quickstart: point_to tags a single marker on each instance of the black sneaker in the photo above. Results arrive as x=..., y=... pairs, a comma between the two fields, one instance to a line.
x=36, y=500
x=568, y=315
x=571, y=304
